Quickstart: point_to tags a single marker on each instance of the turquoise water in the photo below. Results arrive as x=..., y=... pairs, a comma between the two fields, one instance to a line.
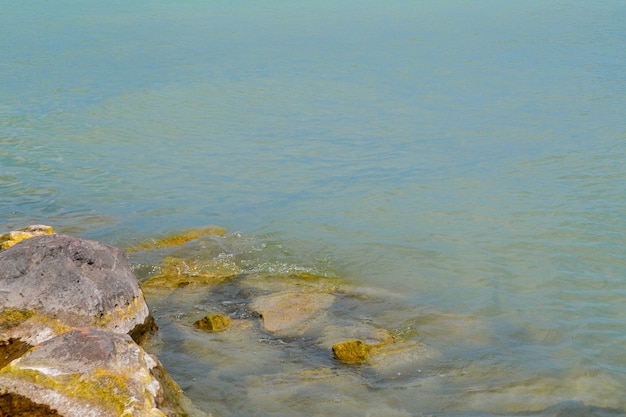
x=466, y=156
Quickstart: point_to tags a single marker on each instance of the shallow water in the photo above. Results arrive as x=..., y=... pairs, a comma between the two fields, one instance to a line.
x=462, y=162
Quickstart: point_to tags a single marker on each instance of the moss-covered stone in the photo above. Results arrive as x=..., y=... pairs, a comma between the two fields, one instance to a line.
x=351, y=351
x=86, y=372
x=11, y=238
x=20, y=329
x=177, y=240
x=213, y=323
x=179, y=273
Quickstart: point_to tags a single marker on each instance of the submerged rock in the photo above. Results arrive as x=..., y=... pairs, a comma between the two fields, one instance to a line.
x=179, y=273
x=213, y=323
x=290, y=313
x=351, y=351
x=86, y=372
x=178, y=239
x=11, y=238
x=53, y=283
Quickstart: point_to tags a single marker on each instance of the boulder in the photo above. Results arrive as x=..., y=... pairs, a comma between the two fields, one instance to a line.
x=82, y=373
x=50, y=284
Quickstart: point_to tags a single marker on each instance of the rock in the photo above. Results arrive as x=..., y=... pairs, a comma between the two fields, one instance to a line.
x=49, y=284
x=370, y=335
x=179, y=273
x=290, y=313
x=11, y=238
x=177, y=240
x=351, y=351
x=213, y=323
x=85, y=372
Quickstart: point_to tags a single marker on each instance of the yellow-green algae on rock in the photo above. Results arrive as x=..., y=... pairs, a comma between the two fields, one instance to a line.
x=213, y=323
x=177, y=240
x=351, y=351
x=25, y=327
x=86, y=372
x=11, y=238
x=178, y=272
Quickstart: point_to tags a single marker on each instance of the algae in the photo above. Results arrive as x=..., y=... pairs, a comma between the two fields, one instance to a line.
x=107, y=390
x=213, y=323
x=179, y=273
x=177, y=240
x=351, y=351
x=10, y=317
x=11, y=238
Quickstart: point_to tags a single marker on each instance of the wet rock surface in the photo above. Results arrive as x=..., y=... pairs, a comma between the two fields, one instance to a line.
x=290, y=313
x=71, y=315
x=55, y=282
x=87, y=372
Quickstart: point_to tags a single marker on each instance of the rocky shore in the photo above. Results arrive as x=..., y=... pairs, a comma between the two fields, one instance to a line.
x=78, y=337
x=72, y=320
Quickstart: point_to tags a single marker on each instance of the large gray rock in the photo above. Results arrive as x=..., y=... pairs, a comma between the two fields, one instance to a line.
x=50, y=284
x=88, y=372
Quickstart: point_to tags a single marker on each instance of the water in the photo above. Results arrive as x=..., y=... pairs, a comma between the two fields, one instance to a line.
x=462, y=160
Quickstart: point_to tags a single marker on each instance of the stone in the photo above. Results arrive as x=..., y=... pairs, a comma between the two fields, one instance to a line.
x=50, y=284
x=370, y=335
x=11, y=238
x=180, y=273
x=289, y=313
x=177, y=240
x=213, y=323
x=83, y=373
x=351, y=351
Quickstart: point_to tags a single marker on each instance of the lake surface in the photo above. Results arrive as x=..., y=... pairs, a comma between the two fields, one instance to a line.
x=465, y=158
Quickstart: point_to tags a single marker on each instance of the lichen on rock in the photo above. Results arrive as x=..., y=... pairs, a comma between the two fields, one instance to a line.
x=86, y=372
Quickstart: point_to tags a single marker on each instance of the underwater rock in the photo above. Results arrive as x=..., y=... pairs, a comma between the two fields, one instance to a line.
x=370, y=335
x=177, y=240
x=11, y=238
x=179, y=273
x=290, y=313
x=213, y=323
x=87, y=372
x=55, y=282
x=351, y=351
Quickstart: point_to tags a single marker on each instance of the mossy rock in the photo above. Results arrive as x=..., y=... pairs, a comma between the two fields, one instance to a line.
x=11, y=238
x=177, y=240
x=86, y=371
x=351, y=351
x=213, y=323
x=181, y=272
